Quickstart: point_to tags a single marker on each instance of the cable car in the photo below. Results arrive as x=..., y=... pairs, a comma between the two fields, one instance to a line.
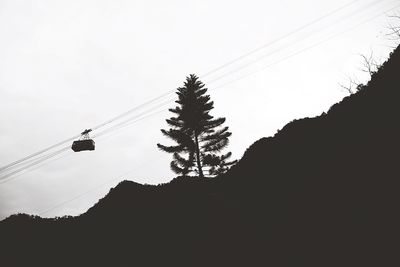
x=84, y=143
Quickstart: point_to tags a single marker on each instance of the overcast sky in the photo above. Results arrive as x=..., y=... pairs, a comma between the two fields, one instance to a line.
x=70, y=65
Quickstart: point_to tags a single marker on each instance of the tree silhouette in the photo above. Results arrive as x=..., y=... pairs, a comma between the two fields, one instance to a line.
x=199, y=138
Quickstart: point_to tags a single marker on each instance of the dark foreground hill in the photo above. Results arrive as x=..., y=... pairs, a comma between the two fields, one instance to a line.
x=321, y=192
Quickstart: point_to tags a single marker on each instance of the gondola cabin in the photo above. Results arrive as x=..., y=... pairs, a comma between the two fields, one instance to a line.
x=84, y=143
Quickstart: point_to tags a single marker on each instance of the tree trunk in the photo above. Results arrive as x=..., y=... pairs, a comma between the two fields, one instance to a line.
x=198, y=156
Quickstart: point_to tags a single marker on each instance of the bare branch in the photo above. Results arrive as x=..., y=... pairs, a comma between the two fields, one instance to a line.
x=370, y=65
x=394, y=31
x=352, y=86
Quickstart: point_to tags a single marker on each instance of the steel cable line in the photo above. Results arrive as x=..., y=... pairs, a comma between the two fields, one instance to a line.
x=92, y=189
x=279, y=39
x=8, y=166
x=77, y=196
x=308, y=47
x=38, y=153
x=34, y=163
x=134, y=109
x=33, y=160
x=170, y=91
x=129, y=120
x=38, y=166
x=291, y=44
x=30, y=163
x=127, y=124
x=26, y=162
x=39, y=160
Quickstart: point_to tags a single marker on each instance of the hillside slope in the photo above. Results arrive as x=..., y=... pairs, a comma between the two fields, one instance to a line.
x=331, y=182
x=321, y=192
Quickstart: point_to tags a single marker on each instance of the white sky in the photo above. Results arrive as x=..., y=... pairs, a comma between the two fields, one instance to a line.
x=70, y=65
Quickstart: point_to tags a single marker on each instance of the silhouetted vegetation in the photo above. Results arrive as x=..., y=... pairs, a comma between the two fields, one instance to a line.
x=370, y=66
x=394, y=30
x=322, y=192
x=199, y=141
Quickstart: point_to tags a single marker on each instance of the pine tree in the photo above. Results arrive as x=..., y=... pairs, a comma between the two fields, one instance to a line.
x=199, y=139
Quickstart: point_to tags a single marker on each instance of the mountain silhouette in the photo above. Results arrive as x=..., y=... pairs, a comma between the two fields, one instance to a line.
x=322, y=192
